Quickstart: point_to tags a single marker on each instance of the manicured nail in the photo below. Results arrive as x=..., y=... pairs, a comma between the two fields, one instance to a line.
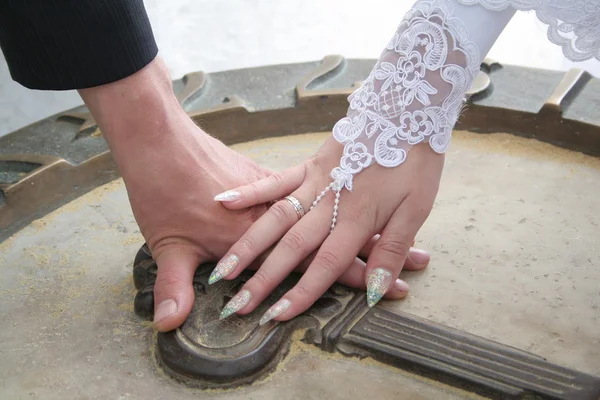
x=164, y=309
x=378, y=283
x=276, y=309
x=230, y=195
x=401, y=286
x=234, y=305
x=224, y=268
x=419, y=257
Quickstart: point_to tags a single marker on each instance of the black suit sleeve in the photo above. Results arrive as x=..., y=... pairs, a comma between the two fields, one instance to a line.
x=74, y=44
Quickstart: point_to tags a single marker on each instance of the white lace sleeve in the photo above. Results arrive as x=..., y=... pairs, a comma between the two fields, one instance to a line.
x=572, y=24
x=417, y=88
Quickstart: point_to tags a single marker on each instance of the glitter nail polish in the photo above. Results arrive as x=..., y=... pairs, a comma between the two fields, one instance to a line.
x=276, y=309
x=234, y=305
x=224, y=268
x=378, y=283
x=230, y=195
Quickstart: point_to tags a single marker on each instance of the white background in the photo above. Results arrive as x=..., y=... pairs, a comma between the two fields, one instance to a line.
x=212, y=35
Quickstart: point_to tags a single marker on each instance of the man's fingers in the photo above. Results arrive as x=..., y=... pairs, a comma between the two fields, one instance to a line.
x=271, y=188
x=173, y=290
x=417, y=260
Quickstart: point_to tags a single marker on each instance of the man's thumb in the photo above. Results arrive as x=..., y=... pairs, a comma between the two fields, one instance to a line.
x=173, y=290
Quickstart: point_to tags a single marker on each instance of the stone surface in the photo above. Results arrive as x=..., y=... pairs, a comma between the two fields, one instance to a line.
x=514, y=239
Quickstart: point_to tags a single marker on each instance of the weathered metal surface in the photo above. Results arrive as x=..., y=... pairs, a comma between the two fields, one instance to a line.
x=207, y=352
x=249, y=104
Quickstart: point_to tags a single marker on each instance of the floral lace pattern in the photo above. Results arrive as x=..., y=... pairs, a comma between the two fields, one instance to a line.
x=572, y=24
x=414, y=94
x=397, y=106
x=417, y=88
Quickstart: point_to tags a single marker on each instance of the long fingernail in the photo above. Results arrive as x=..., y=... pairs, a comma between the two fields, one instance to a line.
x=164, y=309
x=276, y=309
x=234, y=305
x=230, y=195
x=378, y=283
x=419, y=257
x=224, y=268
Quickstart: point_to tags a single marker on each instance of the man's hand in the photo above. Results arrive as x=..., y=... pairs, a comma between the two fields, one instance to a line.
x=183, y=226
x=172, y=171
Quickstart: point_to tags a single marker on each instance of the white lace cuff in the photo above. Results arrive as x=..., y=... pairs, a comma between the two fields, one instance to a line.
x=416, y=90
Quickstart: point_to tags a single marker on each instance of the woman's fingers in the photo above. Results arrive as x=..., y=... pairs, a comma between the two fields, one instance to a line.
x=333, y=258
x=295, y=246
x=417, y=259
x=265, y=232
x=353, y=277
x=271, y=188
x=392, y=249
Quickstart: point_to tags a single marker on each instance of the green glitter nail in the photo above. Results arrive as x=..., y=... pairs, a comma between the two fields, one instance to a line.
x=234, y=305
x=378, y=283
x=276, y=309
x=226, y=266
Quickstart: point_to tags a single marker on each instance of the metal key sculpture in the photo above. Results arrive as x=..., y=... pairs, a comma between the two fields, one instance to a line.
x=208, y=352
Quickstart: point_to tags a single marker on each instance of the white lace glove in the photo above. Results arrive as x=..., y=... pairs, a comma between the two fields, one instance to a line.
x=416, y=90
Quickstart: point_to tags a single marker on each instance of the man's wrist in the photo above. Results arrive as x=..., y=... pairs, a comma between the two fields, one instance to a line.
x=136, y=110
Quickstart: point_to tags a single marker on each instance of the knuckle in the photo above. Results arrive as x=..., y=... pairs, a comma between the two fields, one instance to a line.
x=303, y=292
x=167, y=280
x=293, y=240
x=247, y=243
x=394, y=247
x=262, y=278
x=328, y=262
x=253, y=190
x=280, y=212
x=278, y=179
x=313, y=164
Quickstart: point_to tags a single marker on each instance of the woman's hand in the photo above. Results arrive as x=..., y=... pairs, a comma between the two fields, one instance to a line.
x=393, y=202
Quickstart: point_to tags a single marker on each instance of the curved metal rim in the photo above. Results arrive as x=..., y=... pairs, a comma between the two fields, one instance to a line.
x=58, y=181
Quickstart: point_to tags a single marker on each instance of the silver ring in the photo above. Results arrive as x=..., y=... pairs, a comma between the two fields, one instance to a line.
x=297, y=206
